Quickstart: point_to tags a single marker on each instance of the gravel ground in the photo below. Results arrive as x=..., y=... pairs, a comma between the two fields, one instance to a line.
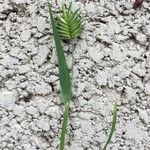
x=112, y=61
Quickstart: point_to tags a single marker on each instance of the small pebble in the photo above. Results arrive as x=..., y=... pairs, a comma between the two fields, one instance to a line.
x=25, y=35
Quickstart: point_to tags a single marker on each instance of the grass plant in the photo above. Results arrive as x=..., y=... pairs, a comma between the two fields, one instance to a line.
x=64, y=77
x=69, y=26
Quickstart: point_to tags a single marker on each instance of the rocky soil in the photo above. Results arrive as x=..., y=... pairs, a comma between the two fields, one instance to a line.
x=112, y=61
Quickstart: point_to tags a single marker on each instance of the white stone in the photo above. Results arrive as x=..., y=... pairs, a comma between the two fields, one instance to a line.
x=147, y=88
x=7, y=99
x=101, y=78
x=27, y=146
x=32, y=110
x=15, y=51
x=75, y=146
x=90, y=7
x=18, y=110
x=24, y=69
x=17, y=1
x=8, y=61
x=96, y=54
x=42, y=88
x=141, y=38
x=144, y=116
x=41, y=24
x=32, y=8
x=53, y=111
x=41, y=57
x=80, y=89
x=43, y=124
x=53, y=78
x=133, y=131
x=134, y=54
x=25, y=35
x=138, y=70
x=130, y=93
x=42, y=106
x=147, y=30
x=116, y=55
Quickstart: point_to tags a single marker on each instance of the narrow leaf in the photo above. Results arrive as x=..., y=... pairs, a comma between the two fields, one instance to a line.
x=65, y=81
x=114, y=121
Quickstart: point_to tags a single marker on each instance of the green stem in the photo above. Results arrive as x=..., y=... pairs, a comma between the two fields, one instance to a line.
x=64, y=127
x=114, y=121
x=66, y=113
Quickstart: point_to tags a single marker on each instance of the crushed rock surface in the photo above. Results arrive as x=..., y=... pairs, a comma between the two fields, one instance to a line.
x=112, y=61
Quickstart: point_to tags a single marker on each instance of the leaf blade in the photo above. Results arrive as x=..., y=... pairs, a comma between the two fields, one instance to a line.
x=114, y=121
x=65, y=81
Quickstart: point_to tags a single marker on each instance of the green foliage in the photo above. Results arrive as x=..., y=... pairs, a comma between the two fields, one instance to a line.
x=114, y=121
x=65, y=81
x=68, y=27
x=70, y=23
x=64, y=128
